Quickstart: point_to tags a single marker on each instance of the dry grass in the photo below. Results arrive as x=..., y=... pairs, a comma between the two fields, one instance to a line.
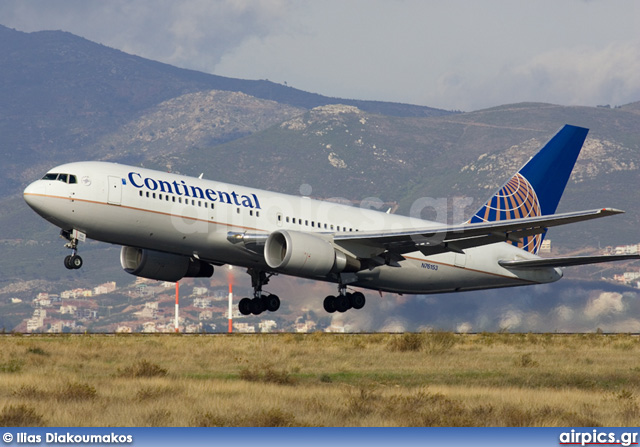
x=427, y=379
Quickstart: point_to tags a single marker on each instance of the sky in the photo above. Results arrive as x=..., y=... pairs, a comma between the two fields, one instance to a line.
x=451, y=54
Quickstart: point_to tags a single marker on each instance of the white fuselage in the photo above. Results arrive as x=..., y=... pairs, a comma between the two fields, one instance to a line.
x=194, y=217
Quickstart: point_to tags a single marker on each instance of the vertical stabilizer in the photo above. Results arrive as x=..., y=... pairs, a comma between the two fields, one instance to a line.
x=535, y=190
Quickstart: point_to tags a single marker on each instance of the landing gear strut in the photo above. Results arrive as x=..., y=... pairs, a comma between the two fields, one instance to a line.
x=260, y=302
x=344, y=301
x=72, y=261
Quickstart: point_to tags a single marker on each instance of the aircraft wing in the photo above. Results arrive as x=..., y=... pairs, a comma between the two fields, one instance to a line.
x=564, y=262
x=440, y=239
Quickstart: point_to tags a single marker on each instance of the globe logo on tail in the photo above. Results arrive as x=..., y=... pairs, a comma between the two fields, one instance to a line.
x=515, y=200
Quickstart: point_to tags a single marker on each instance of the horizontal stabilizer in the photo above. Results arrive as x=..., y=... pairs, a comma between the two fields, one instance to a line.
x=564, y=262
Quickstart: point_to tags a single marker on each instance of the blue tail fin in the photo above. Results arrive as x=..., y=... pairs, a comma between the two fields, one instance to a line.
x=535, y=190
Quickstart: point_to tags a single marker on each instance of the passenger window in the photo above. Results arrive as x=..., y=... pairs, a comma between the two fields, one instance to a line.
x=257, y=213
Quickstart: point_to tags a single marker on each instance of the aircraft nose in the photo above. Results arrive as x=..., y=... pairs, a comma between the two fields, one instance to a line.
x=33, y=193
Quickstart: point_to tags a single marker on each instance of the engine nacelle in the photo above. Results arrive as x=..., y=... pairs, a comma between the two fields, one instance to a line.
x=305, y=254
x=162, y=266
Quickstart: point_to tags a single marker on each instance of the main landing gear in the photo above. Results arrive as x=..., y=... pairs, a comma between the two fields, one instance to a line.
x=72, y=261
x=344, y=301
x=260, y=302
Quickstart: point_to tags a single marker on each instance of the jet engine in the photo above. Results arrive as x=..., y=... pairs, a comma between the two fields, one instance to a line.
x=305, y=254
x=162, y=266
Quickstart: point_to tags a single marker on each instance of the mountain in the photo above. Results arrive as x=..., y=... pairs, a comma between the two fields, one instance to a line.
x=60, y=92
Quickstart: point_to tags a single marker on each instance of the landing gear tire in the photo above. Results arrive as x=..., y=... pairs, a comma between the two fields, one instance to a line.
x=272, y=303
x=73, y=262
x=257, y=306
x=343, y=303
x=329, y=304
x=244, y=306
x=358, y=300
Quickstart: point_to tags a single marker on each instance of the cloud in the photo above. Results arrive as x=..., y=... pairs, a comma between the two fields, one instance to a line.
x=394, y=324
x=606, y=303
x=454, y=55
x=511, y=319
x=564, y=313
x=578, y=75
x=190, y=33
x=585, y=75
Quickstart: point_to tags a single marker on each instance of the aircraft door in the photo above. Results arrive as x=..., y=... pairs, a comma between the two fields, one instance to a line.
x=114, y=196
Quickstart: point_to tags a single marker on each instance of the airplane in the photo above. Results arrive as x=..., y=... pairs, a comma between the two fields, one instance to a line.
x=172, y=226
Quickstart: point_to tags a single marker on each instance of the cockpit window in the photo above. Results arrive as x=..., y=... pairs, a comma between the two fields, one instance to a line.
x=64, y=178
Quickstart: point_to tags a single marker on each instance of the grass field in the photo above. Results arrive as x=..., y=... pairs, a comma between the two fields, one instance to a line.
x=427, y=379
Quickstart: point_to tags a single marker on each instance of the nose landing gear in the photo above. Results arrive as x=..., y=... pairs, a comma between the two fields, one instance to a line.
x=73, y=261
